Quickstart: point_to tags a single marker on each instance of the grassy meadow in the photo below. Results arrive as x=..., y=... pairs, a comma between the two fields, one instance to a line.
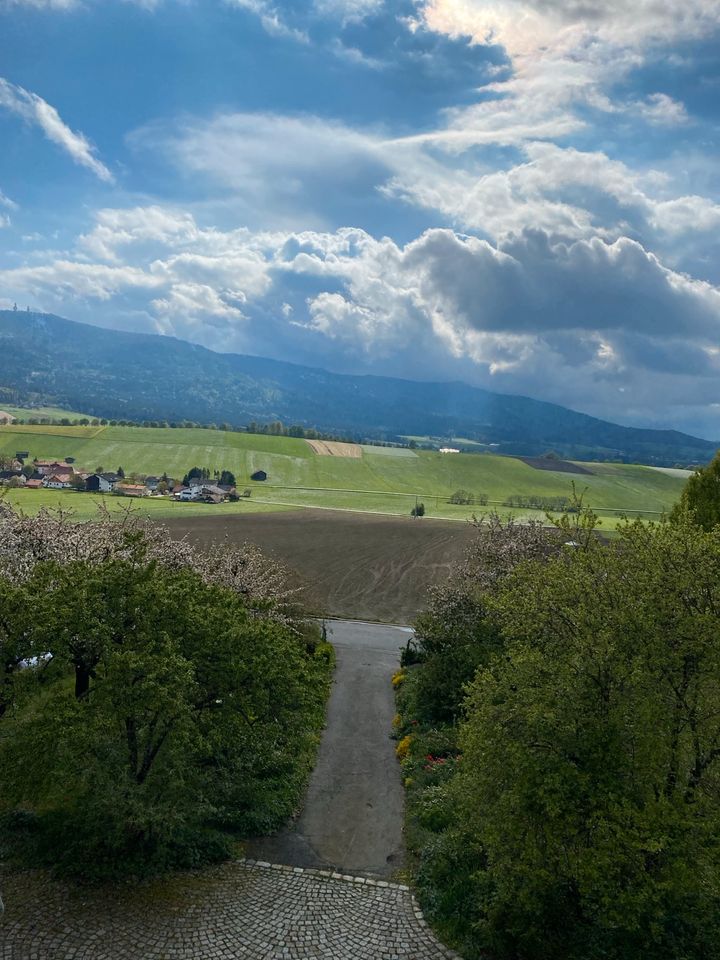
x=383, y=480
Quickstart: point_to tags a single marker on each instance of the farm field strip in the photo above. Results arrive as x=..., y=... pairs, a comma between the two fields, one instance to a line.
x=85, y=506
x=436, y=497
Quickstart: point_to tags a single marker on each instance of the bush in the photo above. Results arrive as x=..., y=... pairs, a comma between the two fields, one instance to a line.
x=418, y=510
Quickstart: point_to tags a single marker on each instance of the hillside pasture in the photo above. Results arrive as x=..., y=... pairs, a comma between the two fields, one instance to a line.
x=374, y=482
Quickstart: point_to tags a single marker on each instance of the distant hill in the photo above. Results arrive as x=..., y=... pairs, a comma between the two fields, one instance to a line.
x=49, y=360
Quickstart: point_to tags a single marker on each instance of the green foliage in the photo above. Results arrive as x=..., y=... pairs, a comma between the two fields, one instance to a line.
x=418, y=510
x=453, y=639
x=701, y=496
x=584, y=816
x=166, y=709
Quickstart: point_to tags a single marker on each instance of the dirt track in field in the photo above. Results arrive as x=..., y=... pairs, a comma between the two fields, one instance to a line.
x=350, y=565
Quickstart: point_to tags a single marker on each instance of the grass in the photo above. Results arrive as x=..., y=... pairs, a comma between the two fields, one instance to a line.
x=52, y=413
x=380, y=481
x=84, y=506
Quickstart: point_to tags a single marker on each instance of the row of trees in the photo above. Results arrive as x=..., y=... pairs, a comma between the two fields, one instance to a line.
x=204, y=474
x=561, y=742
x=154, y=701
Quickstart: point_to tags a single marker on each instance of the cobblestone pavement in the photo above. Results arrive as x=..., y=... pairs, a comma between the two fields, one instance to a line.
x=250, y=910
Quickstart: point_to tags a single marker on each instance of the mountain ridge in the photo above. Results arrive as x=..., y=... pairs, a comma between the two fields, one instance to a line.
x=141, y=376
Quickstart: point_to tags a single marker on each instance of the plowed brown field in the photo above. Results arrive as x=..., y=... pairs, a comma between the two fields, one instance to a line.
x=349, y=565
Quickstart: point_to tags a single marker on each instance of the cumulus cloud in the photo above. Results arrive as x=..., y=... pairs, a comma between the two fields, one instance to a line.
x=604, y=315
x=38, y=112
x=528, y=26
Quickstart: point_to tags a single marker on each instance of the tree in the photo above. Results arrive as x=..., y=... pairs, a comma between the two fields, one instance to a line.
x=589, y=790
x=186, y=708
x=121, y=473
x=196, y=473
x=701, y=495
x=227, y=478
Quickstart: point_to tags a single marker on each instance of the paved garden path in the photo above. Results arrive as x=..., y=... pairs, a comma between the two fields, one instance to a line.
x=325, y=896
x=353, y=813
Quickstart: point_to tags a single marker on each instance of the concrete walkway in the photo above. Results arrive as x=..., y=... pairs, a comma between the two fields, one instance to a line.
x=353, y=814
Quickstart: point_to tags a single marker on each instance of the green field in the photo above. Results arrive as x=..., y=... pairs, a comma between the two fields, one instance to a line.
x=380, y=481
x=52, y=413
x=84, y=506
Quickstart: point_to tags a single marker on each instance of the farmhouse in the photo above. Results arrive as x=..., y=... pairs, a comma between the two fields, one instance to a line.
x=46, y=467
x=11, y=475
x=131, y=489
x=101, y=482
x=33, y=485
x=58, y=481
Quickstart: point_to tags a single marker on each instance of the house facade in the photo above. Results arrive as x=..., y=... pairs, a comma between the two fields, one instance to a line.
x=101, y=482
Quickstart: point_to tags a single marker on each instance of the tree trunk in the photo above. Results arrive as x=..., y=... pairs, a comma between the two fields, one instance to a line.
x=82, y=682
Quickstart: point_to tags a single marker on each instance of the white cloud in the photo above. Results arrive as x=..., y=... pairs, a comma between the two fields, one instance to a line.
x=568, y=58
x=661, y=109
x=277, y=170
x=270, y=19
x=526, y=27
x=601, y=314
x=40, y=4
x=7, y=202
x=348, y=11
x=33, y=109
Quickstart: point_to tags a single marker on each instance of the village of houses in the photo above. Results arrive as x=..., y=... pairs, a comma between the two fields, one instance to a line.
x=65, y=475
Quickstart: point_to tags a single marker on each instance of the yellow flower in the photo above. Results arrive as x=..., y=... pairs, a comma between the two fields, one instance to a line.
x=403, y=748
x=397, y=678
x=397, y=721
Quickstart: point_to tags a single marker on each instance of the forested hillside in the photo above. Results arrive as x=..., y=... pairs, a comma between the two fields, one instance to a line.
x=106, y=373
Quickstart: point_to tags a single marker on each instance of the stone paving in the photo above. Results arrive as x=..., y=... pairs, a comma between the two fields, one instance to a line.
x=247, y=909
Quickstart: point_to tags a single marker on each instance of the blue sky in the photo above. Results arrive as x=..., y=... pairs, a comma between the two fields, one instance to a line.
x=521, y=194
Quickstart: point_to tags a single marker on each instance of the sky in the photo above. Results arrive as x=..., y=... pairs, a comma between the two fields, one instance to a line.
x=520, y=194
